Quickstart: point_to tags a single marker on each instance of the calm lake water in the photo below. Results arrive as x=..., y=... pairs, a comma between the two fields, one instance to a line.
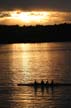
x=24, y=63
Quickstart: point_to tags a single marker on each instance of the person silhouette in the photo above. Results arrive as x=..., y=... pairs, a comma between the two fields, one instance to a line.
x=35, y=83
x=42, y=83
x=52, y=82
x=35, y=87
x=42, y=87
x=47, y=82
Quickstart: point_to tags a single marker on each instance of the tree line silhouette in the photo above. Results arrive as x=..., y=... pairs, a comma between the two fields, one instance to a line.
x=38, y=33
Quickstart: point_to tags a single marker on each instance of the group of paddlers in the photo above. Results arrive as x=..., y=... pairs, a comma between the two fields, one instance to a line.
x=42, y=83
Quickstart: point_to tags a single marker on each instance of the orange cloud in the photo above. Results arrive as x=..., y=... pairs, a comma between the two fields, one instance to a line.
x=19, y=17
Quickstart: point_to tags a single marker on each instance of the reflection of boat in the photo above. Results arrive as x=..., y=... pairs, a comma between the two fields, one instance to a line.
x=45, y=85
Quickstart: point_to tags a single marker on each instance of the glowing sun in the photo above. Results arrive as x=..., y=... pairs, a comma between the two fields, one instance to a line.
x=29, y=17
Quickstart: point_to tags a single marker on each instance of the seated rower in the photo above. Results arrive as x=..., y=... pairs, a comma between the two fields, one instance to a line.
x=52, y=82
x=47, y=83
x=35, y=83
x=42, y=82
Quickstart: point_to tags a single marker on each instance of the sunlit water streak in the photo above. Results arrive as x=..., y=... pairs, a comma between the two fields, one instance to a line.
x=27, y=62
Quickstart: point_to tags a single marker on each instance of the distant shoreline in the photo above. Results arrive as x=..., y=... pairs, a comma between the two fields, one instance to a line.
x=35, y=34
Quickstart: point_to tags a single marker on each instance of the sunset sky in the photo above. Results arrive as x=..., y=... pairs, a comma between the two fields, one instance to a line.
x=33, y=12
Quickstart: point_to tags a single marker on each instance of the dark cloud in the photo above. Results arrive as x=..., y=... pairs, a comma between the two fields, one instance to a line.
x=61, y=5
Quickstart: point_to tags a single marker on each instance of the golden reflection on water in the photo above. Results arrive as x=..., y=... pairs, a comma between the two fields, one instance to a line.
x=21, y=55
x=25, y=61
x=28, y=62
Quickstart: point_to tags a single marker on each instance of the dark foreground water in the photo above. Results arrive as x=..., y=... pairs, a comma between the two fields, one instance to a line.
x=23, y=63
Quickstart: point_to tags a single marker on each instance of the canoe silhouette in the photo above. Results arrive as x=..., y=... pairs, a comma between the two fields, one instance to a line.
x=44, y=85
